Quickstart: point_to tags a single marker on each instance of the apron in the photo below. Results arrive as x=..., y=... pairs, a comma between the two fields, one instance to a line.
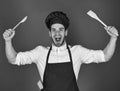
x=59, y=76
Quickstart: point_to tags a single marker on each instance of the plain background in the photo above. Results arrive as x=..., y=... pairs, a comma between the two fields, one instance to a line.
x=83, y=30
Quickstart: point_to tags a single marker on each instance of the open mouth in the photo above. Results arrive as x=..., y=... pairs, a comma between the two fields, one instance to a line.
x=57, y=39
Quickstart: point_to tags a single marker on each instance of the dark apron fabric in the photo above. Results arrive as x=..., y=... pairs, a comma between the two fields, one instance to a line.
x=59, y=76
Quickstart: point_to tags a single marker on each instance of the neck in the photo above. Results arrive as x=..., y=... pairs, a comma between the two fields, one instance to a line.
x=64, y=42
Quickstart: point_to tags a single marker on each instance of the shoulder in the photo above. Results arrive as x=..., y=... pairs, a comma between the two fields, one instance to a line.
x=41, y=49
x=78, y=48
x=75, y=47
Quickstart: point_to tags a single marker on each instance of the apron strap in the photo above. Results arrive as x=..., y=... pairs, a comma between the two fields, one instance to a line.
x=46, y=63
x=70, y=55
x=48, y=54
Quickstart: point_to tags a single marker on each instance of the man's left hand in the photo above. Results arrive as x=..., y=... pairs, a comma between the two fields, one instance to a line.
x=112, y=31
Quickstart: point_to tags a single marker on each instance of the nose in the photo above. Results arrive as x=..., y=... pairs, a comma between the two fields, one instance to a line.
x=57, y=32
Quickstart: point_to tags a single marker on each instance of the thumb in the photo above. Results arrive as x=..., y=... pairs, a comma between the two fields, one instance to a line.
x=12, y=33
x=107, y=28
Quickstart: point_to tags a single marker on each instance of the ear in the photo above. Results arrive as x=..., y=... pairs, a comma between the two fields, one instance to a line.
x=50, y=34
x=66, y=32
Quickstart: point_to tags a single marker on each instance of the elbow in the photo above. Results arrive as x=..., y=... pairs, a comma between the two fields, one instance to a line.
x=107, y=56
x=12, y=60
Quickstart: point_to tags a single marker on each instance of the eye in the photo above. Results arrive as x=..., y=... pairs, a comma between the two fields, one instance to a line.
x=52, y=29
x=62, y=29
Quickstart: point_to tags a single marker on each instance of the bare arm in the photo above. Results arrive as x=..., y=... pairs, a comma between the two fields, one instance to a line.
x=110, y=48
x=10, y=51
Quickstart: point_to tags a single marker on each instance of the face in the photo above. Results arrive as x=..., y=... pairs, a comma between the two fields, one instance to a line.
x=58, y=34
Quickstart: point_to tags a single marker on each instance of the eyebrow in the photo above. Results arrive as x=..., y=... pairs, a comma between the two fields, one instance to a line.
x=59, y=28
x=62, y=28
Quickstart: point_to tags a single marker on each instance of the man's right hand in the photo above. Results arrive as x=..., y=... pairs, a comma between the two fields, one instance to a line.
x=8, y=34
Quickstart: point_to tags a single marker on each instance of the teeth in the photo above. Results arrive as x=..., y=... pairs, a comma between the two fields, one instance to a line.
x=57, y=39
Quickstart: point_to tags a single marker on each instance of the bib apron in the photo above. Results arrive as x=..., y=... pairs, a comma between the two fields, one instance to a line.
x=59, y=76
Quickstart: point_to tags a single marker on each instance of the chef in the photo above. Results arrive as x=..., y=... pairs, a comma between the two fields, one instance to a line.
x=59, y=64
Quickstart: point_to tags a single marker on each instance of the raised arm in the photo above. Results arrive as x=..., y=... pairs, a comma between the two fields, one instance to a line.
x=110, y=48
x=10, y=51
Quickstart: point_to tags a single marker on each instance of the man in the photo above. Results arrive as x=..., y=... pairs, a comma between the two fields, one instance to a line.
x=59, y=64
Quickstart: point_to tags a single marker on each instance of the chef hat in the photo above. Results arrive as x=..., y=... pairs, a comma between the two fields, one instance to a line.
x=57, y=17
